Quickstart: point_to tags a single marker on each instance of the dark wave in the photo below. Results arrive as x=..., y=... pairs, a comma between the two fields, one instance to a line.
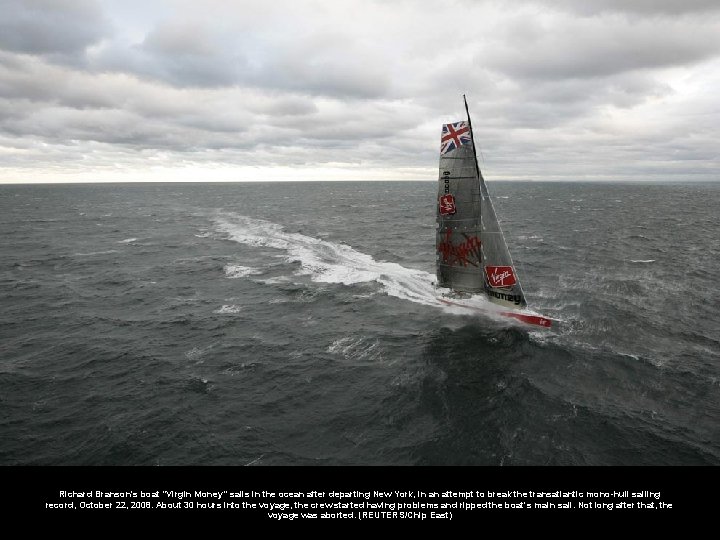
x=257, y=325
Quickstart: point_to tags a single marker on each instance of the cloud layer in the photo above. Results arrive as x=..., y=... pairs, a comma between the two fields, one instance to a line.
x=220, y=90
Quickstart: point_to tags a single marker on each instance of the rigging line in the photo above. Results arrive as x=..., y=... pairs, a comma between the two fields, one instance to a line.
x=481, y=155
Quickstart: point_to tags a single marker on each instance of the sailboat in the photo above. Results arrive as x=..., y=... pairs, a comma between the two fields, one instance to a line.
x=473, y=260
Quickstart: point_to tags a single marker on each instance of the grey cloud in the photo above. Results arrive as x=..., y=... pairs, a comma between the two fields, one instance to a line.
x=180, y=38
x=284, y=105
x=638, y=7
x=553, y=91
x=116, y=109
x=107, y=107
x=56, y=125
x=47, y=27
x=593, y=48
x=332, y=79
x=190, y=55
x=326, y=64
x=551, y=103
x=33, y=79
x=621, y=90
x=189, y=69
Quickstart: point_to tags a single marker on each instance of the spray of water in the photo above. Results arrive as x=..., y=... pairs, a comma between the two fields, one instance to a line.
x=330, y=262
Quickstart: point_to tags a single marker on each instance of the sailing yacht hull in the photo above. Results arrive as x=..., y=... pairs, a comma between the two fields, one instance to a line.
x=527, y=318
x=532, y=319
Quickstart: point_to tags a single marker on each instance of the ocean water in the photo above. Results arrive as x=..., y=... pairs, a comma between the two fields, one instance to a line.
x=295, y=324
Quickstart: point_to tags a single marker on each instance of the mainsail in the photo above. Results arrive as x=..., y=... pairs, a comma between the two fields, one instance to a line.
x=472, y=256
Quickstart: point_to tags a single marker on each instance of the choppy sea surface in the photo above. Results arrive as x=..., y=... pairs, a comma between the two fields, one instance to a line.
x=295, y=324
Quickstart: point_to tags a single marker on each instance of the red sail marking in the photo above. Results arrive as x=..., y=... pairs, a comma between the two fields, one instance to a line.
x=447, y=205
x=537, y=320
x=460, y=253
x=500, y=276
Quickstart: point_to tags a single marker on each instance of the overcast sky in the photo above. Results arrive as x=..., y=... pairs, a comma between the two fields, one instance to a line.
x=131, y=90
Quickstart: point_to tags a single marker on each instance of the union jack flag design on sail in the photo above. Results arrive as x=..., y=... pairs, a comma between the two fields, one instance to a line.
x=454, y=136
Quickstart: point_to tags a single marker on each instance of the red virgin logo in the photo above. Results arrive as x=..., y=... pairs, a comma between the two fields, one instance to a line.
x=447, y=205
x=500, y=276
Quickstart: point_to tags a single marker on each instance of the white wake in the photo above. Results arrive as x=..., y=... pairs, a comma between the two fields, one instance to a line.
x=330, y=262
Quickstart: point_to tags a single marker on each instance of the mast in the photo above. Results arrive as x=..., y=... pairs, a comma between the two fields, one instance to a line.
x=472, y=138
